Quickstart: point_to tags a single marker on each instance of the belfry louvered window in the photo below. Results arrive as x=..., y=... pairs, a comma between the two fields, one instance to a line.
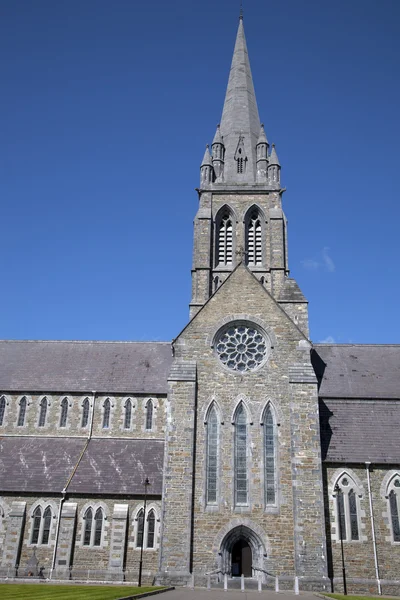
x=2, y=409
x=85, y=412
x=269, y=458
x=394, y=503
x=225, y=241
x=254, y=239
x=22, y=412
x=347, y=511
x=241, y=478
x=128, y=414
x=149, y=415
x=106, y=413
x=240, y=165
x=212, y=456
x=64, y=412
x=43, y=412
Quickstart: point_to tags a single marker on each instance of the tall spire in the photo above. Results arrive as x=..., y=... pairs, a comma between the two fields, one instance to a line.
x=240, y=113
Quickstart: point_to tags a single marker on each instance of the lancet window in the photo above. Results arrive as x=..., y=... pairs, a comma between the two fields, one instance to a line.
x=241, y=477
x=22, y=412
x=254, y=236
x=43, y=412
x=149, y=415
x=224, y=251
x=64, y=412
x=41, y=525
x=146, y=529
x=394, y=507
x=151, y=526
x=85, y=412
x=128, y=414
x=93, y=527
x=2, y=409
x=347, y=510
x=269, y=457
x=106, y=413
x=212, y=456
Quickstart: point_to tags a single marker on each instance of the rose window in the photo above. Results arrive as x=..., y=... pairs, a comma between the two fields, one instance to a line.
x=242, y=347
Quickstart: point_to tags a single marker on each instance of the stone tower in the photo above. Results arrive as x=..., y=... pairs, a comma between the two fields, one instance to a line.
x=242, y=475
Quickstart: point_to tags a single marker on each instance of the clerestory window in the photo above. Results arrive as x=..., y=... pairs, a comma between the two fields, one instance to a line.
x=22, y=412
x=212, y=456
x=64, y=412
x=149, y=415
x=43, y=412
x=241, y=478
x=128, y=414
x=85, y=412
x=106, y=413
x=2, y=409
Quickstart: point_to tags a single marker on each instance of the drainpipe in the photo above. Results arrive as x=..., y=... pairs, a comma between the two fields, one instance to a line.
x=64, y=491
x=371, y=510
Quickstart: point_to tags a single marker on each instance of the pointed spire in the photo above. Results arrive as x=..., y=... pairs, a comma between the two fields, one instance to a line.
x=207, y=160
x=262, y=138
x=240, y=112
x=218, y=137
x=273, y=158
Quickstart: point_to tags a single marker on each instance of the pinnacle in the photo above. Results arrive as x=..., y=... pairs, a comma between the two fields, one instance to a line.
x=273, y=157
x=207, y=160
x=218, y=139
x=262, y=138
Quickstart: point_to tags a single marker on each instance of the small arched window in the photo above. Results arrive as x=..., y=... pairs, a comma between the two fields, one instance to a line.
x=224, y=249
x=151, y=527
x=269, y=457
x=43, y=412
x=85, y=412
x=2, y=409
x=87, y=533
x=347, y=513
x=140, y=528
x=64, y=412
x=254, y=239
x=149, y=415
x=106, y=413
x=241, y=478
x=212, y=456
x=22, y=412
x=394, y=507
x=128, y=414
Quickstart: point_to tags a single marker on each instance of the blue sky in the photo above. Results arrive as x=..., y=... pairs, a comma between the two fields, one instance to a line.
x=105, y=111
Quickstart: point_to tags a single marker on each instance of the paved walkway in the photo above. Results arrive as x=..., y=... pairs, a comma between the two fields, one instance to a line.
x=216, y=594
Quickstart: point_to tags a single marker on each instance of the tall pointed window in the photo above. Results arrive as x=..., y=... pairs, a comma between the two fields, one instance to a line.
x=106, y=413
x=151, y=526
x=64, y=412
x=88, y=522
x=93, y=527
x=46, y=525
x=212, y=456
x=394, y=507
x=224, y=251
x=128, y=414
x=37, y=521
x=241, y=479
x=98, y=527
x=2, y=409
x=269, y=458
x=41, y=526
x=254, y=239
x=22, y=412
x=85, y=412
x=149, y=415
x=43, y=412
x=140, y=528
x=347, y=511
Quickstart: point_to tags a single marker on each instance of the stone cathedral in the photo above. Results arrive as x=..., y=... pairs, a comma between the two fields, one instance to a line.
x=241, y=448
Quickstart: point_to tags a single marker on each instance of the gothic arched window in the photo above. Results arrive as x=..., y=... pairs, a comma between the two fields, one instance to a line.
x=140, y=528
x=37, y=521
x=22, y=412
x=212, y=456
x=347, y=512
x=93, y=527
x=149, y=415
x=41, y=526
x=64, y=412
x=2, y=409
x=128, y=414
x=87, y=533
x=98, y=527
x=85, y=412
x=43, y=412
x=269, y=457
x=151, y=527
x=224, y=246
x=254, y=238
x=106, y=413
x=394, y=507
x=46, y=525
x=241, y=478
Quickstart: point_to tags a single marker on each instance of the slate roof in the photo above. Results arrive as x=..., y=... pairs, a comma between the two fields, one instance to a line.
x=108, y=466
x=111, y=466
x=357, y=371
x=355, y=431
x=40, y=464
x=126, y=367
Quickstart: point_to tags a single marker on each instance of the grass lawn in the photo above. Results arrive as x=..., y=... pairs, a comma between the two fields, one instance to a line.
x=43, y=591
x=343, y=597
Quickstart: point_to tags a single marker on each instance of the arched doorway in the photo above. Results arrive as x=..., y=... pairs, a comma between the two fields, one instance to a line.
x=241, y=550
x=241, y=559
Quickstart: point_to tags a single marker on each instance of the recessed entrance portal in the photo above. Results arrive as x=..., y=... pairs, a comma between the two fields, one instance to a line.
x=241, y=559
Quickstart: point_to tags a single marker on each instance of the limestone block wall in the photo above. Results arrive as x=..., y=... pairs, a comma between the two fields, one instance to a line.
x=359, y=555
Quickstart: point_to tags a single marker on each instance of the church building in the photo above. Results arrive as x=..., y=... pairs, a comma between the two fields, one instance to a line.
x=239, y=448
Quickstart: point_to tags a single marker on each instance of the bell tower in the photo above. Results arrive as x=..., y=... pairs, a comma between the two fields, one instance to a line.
x=240, y=216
